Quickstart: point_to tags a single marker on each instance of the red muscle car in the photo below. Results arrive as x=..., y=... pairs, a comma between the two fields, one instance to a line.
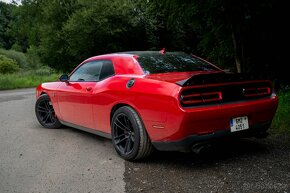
x=169, y=101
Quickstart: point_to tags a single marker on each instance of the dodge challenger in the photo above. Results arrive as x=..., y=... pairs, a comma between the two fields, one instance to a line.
x=168, y=101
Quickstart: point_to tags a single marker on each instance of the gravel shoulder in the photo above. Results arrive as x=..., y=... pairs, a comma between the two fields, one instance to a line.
x=244, y=165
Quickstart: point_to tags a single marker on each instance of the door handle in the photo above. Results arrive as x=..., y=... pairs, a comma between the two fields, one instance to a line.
x=89, y=88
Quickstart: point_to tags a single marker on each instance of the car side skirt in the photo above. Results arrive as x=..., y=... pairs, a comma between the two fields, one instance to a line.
x=89, y=130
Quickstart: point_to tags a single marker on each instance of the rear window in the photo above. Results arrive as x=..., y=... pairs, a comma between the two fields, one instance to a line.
x=155, y=62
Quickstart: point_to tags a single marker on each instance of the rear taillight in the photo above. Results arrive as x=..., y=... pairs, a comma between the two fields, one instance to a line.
x=200, y=98
x=223, y=93
x=253, y=92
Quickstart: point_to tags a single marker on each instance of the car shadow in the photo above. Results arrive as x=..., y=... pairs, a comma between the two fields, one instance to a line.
x=218, y=152
x=223, y=151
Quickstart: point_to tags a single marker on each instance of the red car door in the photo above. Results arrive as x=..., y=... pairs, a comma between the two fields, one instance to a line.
x=75, y=96
x=74, y=101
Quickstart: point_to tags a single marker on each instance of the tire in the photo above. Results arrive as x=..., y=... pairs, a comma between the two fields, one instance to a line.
x=45, y=113
x=129, y=135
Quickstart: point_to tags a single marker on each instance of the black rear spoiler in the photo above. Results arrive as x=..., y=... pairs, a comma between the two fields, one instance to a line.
x=214, y=78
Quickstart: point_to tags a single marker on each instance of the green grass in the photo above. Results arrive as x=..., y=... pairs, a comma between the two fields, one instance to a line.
x=27, y=79
x=31, y=72
x=281, y=122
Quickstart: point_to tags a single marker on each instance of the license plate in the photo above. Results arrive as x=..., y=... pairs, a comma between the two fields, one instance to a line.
x=239, y=124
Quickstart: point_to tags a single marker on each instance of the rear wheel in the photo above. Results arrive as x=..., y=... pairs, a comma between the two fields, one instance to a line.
x=129, y=135
x=45, y=113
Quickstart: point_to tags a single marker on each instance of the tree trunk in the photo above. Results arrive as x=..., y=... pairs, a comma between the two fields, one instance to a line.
x=236, y=52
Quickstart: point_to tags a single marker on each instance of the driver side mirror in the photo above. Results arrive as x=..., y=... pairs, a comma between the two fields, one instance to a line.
x=64, y=78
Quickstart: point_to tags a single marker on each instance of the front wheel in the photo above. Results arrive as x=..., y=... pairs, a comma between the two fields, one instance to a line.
x=129, y=135
x=45, y=113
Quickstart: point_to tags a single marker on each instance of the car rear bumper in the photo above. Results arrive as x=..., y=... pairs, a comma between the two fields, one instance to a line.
x=209, y=120
x=256, y=130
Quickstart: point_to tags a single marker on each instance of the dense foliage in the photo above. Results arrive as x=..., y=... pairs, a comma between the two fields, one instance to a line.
x=19, y=57
x=281, y=122
x=8, y=65
x=242, y=35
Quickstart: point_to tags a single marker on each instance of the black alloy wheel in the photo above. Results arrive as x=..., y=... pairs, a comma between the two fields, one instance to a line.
x=123, y=134
x=129, y=135
x=45, y=113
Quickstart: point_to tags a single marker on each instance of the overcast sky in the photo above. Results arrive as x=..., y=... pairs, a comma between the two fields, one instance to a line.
x=9, y=1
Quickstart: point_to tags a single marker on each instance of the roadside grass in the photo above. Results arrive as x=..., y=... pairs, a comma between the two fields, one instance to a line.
x=281, y=121
x=31, y=71
x=27, y=79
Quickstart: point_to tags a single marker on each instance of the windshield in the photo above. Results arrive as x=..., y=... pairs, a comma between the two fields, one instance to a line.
x=155, y=62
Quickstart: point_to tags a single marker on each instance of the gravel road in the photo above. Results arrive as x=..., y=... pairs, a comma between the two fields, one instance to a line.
x=35, y=159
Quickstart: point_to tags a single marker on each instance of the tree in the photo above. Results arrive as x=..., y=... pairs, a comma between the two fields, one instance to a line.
x=234, y=34
x=226, y=32
x=76, y=30
x=5, y=17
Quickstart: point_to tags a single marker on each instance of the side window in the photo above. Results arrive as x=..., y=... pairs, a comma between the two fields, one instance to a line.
x=93, y=71
x=107, y=70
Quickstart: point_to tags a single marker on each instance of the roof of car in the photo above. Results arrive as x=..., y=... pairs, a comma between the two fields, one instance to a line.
x=130, y=54
x=140, y=53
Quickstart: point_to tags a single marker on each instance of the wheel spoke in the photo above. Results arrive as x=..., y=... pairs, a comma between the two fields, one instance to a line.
x=123, y=126
x=126, y=121
x=120, y=141
x=119, y=126
x=120, y=122
x=42, y=111
x=119, y=136
x=127, y=146
x=45, y=118
x=41, y=108
x=46, y=104
x=51, y=117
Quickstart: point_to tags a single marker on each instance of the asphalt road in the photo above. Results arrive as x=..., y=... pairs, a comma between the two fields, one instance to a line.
x=35, y=159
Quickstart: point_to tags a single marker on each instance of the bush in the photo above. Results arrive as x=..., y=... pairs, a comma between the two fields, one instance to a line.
x=29, y=60
x=19, y=57
x=281, y=122
x=44, y=71
x=16, y=47
x=8, y=65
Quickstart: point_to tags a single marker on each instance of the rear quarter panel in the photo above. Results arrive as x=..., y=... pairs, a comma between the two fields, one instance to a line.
x=151, y=99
